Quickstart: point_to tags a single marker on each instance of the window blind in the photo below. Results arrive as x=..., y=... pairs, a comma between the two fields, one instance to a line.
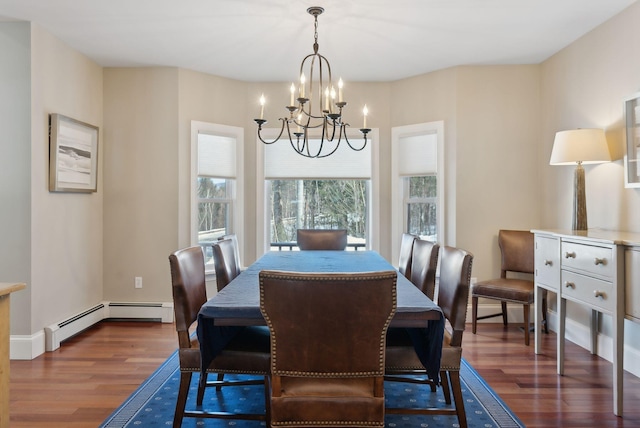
x=282, y=162
x=216, y=156
x=418, y=155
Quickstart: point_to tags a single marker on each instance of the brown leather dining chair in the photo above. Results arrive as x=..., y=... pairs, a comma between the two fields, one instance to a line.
x=406, y=252
x=247, y=352
x=236, y=247
x=226, y=262
x=322, y=239
x=424, y=265
x=327, y=346
x=517, y=251
x=401, y=357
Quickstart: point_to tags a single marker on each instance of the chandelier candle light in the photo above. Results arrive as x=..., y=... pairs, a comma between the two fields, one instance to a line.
x=325, y=114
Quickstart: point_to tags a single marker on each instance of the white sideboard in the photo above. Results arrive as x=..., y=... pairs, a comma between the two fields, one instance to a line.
x=597, y=269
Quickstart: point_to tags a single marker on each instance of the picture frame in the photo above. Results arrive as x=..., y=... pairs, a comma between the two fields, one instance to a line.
x=73, y=155
x=632, y=143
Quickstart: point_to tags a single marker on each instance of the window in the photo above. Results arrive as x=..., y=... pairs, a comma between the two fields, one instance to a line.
x=417, y=183
x=331, y=193
x=421, y=206
x=215, y=207
x=317, y=204
x=217, y=151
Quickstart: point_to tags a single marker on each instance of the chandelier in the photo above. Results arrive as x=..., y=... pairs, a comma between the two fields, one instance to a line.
x=317, y=111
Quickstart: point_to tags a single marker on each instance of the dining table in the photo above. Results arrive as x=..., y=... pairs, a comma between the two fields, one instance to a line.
x=238, y=304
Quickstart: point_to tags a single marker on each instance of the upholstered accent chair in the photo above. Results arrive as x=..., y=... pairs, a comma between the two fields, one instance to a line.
x=327, y=346
x=517, y=251
x=322, y=239
x=406, y=252
x=401, y=357
x=248, y=351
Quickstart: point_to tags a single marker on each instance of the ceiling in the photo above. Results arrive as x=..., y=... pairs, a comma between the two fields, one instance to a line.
x=265, y=40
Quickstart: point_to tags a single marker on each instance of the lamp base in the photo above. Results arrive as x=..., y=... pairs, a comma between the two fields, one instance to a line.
x=579, y=200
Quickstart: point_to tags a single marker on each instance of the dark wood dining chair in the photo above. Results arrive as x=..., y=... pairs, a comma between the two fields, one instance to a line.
x=226, y=262
x=517, y=252
x=406, y=252
x=327, y=346
x=401, y=357
x=247, y=352
x=322, y=239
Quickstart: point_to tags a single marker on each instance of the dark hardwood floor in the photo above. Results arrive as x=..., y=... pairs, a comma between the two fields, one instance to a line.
x=80, y=384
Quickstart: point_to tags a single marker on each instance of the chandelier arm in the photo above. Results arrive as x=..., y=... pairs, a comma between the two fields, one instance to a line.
x=261, y=122
x=363, y=144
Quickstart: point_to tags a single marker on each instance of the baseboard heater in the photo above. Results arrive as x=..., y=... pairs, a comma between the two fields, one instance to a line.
x=56, y=333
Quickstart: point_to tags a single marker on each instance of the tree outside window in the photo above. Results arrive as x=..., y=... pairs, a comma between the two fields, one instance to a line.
x=318, y=204
x=422, y=206
x=214, y=212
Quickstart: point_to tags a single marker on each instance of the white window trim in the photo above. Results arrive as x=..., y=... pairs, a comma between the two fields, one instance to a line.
x=397, y=191
x=262, y=222
x=237, y=133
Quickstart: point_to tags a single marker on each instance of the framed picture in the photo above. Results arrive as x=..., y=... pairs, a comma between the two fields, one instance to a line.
x=632, y=133
x=73, y=155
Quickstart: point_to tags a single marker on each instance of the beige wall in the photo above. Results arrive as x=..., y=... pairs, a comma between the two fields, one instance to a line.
x=141, y=182
x=59, y=236
x=497, y=182
x=66, y=229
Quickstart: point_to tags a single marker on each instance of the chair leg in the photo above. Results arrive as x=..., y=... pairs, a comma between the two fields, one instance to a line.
x=201, y=387
x=267, y=399
x=457, y=397
x=525, y=314
x=505, y=321
x=544, y=312
x=474, y=314
x=444, y=381
x=220, y=378
x=185, y=382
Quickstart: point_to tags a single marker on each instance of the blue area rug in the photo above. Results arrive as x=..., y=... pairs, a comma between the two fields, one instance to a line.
x=153, y=403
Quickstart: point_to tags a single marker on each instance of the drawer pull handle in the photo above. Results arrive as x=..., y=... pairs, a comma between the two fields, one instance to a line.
x=568, y=284
x=569, y=255
x=599, y=294
x=548, y=262
x=598, y=261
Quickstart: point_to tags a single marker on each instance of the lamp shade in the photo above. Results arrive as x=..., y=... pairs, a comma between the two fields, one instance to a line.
x=580, y=145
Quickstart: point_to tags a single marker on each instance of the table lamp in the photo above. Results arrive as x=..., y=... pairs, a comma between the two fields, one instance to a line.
x=579, y=146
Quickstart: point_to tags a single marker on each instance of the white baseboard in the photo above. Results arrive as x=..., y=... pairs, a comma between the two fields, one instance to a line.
x=22, y=347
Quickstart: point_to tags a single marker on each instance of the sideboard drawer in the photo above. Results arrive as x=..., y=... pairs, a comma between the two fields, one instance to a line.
x=589, y=290
x=589, y=259
x=547, y=261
